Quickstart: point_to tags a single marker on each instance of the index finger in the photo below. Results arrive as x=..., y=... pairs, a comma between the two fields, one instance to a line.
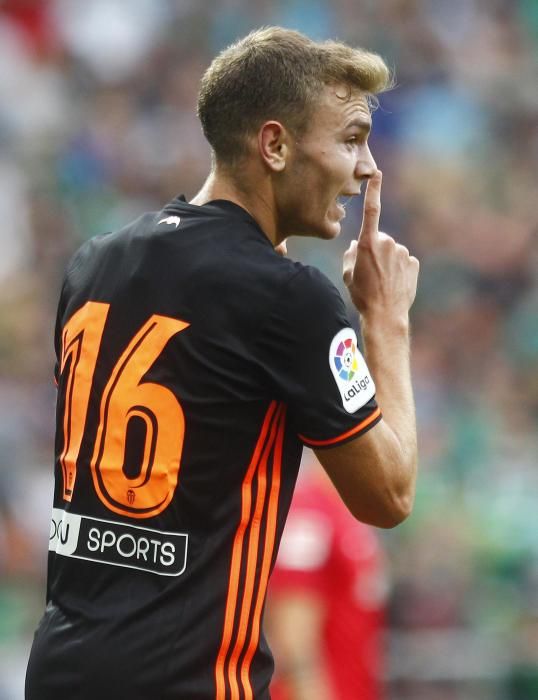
x=372, y=207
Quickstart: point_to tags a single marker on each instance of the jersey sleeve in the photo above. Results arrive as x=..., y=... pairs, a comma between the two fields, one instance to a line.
x=310, y=355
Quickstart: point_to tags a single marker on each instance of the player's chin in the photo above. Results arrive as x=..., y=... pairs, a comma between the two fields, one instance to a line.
x=331, y=229
x=326, y=228
x=332, y=224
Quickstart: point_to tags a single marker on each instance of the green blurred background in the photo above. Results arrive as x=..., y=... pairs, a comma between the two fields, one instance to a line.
x=97, y=124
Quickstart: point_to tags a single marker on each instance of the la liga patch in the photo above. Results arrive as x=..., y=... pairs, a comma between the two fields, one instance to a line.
x=350, y=371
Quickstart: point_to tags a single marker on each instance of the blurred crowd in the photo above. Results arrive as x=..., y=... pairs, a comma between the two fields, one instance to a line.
x=98, y=123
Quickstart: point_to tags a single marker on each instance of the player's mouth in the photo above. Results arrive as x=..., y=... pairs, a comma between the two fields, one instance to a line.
x=342, y=201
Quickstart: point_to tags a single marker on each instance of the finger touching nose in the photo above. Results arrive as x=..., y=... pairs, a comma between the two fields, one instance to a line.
x=372, y=209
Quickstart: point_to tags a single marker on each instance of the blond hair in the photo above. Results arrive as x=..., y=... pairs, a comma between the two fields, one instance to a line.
x=276, y=73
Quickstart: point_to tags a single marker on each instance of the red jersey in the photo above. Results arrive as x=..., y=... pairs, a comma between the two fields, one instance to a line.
x=326, y=552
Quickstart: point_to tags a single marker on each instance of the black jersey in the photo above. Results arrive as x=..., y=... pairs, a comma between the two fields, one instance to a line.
x=193, y=363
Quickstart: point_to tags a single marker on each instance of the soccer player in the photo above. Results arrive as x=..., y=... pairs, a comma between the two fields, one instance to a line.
x=194, y=362
x=326, y=601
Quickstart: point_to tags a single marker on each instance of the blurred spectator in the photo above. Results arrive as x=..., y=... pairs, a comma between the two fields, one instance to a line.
x=327, y=597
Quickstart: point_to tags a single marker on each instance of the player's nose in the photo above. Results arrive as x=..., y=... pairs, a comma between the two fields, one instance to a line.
x=365, y=166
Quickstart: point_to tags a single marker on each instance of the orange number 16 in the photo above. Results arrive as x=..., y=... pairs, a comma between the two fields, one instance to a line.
x=125, y=397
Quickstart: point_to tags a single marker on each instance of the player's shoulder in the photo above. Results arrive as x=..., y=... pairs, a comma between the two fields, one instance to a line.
x=309, y=293
x=101, y=242
x=241, y=249
x=206, y=220
x=311, y=279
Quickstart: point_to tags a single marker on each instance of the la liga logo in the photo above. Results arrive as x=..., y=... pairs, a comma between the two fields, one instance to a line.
x=349, y=370
x=345, y=359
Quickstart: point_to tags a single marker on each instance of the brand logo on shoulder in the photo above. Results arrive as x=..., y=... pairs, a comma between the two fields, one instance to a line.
x=350, y=372
x=169, y=220
x=117, y=544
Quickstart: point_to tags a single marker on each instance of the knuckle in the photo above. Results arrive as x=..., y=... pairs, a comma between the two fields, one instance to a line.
x=388, y=241
x=372, y=208
x=365, y=244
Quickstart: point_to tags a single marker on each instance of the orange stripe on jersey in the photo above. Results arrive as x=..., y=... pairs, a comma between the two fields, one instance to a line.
x=252, y=560
x=269, y=546
x=333, y=441
x=237, y=549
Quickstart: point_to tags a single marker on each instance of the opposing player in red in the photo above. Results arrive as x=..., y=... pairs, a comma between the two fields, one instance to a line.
x=326, y=611
x=194, y=363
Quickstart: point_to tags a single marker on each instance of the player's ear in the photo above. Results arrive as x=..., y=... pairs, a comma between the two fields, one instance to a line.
x=273, y=145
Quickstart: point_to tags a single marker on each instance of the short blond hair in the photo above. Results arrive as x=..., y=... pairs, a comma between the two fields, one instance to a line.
x=276, y=73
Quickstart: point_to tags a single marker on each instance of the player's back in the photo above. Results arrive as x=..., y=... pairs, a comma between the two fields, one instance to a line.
x=169, y=496
x=193, y=362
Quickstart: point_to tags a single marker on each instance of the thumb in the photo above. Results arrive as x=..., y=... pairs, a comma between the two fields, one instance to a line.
x=348, y=263
x=282, y=248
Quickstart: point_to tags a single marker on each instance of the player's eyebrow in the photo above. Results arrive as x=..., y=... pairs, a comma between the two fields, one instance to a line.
x=363, y=124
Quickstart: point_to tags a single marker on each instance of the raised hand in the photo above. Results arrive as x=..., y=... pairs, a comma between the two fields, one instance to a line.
x=380, y=274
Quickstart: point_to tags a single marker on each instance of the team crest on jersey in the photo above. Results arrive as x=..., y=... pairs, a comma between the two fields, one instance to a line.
x=169, y=220
x=350, y=372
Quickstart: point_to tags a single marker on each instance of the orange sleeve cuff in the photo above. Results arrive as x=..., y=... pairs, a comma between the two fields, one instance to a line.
x=349, y=433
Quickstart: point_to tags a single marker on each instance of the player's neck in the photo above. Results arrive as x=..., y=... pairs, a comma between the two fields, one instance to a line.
x=220, y=185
